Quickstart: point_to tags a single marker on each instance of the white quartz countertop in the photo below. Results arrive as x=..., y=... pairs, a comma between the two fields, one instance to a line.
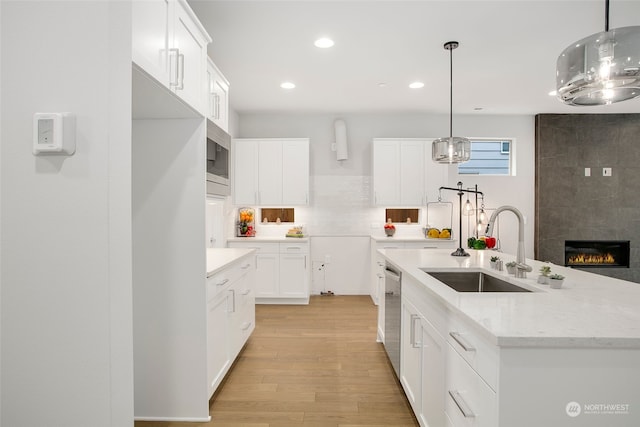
x=219, y=258
x=590, y=310
x=384, y=238
x=267, y=239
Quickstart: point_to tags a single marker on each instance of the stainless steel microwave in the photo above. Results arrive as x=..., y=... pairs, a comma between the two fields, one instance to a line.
x=218, y=160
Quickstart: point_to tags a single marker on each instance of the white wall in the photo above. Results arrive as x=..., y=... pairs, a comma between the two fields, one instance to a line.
x=341, y=190
x=66, y=221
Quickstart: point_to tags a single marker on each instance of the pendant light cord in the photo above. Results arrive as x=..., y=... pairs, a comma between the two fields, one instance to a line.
x=451, y=91
x=606, y=15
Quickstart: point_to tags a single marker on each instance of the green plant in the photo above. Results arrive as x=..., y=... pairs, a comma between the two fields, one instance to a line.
x=556, y=277
x=495, y=258
x=511, y=264
x=545, y=270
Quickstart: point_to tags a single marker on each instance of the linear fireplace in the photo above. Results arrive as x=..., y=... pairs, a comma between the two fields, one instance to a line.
x=596, y=253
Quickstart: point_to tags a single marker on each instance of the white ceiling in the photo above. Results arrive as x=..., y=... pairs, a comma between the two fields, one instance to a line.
x=505, y=63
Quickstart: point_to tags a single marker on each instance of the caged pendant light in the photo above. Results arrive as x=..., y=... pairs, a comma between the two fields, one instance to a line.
x=600, y=69
x=451, y=149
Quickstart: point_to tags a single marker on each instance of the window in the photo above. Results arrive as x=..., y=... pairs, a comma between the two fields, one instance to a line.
x=488, y=157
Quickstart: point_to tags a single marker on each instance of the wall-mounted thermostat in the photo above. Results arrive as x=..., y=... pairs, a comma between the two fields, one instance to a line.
x=54, y=133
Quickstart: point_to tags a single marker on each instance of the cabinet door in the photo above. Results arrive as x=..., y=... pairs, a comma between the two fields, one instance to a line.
x=433, y=378
x=218, y=340
x=245, y=177
x=295, y=172
x=293, y=276
x=188, y=56
x=270, y=172
x=386, y=174
x=150, y=36
x=411, y=356
x=412, y=173
x=435, y=174
x=267, y=275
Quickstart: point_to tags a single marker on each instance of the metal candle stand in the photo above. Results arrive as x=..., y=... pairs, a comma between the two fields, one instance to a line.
x=460, y=251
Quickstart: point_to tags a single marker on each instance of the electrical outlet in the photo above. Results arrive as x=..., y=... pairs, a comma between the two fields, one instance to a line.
x=587, y=171
x=606, y=171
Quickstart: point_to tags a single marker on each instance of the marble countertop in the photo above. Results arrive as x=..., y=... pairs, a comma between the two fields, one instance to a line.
x=219, y=258
x=589, y=310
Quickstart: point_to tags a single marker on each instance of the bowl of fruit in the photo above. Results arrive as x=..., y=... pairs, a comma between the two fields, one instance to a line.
x=389, y=228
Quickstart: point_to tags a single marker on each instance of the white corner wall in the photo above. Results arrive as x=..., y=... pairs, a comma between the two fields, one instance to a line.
x=66, y=333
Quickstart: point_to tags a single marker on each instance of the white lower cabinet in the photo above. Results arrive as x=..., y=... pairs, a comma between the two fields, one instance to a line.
x=230, y=317
x=282, y=271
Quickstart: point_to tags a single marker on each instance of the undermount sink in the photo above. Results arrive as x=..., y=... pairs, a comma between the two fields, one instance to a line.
x=474, y=281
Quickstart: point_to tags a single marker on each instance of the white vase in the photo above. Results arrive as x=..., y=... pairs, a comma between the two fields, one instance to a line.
x=556, y=283
x=543, y=280
x=511, y=269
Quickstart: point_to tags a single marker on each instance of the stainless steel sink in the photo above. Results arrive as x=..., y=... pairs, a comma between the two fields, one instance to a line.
x=474, y=281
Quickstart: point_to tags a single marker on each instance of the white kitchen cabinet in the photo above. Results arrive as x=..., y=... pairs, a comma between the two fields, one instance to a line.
x=230, y=317
x=245, y=172
x=403, y=172
x=282, y=271
x=218, y=340
x=170, y=45
x=422, y=362
x=217, y=96
x=271, y=172
x=398, y=172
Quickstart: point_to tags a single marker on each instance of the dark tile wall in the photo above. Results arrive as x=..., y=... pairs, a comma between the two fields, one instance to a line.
x=572, y=206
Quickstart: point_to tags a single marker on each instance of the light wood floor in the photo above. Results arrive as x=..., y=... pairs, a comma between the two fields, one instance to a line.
x=315, y=365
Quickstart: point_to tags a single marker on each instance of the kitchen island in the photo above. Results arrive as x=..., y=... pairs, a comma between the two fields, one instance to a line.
x=553, y=357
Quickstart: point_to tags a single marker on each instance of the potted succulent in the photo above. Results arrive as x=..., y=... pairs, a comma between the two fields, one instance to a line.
x=543, y=278
x=556, y=280
x=511, y=267
x=493, y=261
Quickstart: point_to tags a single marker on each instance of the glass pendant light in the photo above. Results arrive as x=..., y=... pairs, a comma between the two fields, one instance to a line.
x=600, y=69
x=451, y=149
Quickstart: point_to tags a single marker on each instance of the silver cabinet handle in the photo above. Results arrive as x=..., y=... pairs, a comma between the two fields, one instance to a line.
x=222, y=282
x=297, y=248
x=174, y=52
x=461, y=404
x=246, y=292
x=246, y=326
x=233, y=301
x=463, y=343
x=181, y=65
x=244, y=267
x=412, y=339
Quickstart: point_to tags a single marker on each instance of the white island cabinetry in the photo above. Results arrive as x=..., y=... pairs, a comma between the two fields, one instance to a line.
x=501, y=359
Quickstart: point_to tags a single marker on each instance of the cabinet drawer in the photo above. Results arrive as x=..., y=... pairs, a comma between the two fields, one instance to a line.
x=223, y=279
x=260, y=247
x=469, y=401
x=294, y=248
x=481, y=355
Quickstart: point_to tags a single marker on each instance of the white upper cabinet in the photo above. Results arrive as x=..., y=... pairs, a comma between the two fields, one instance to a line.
x=217, y=96
x=398, y=172
x=404, y=174
x=271, y=172
x=170, y=45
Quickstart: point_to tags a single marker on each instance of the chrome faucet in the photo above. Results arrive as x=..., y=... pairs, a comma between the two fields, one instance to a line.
x=521, y=267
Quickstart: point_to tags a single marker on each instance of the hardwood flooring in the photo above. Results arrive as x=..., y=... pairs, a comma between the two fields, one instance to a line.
x=316, y=365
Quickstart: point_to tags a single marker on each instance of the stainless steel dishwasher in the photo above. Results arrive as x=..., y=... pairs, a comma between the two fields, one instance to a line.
x=392, y=314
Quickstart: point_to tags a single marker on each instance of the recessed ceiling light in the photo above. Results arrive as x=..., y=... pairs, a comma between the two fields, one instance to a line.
x=323, y=43
x=287, y=85
x=382, y=84
x=416, y=85
x=478, y=108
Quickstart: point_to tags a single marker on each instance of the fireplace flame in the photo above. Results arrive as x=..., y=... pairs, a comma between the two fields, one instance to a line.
x=592, y=259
